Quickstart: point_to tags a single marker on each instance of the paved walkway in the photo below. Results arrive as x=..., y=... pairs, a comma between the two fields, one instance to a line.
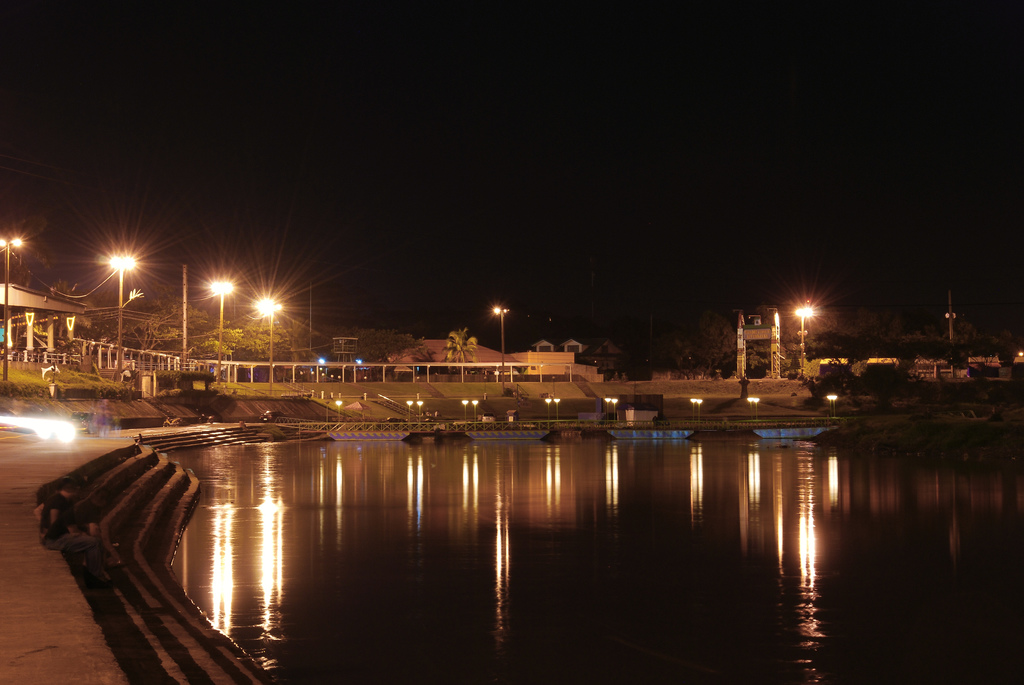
x=47, y=631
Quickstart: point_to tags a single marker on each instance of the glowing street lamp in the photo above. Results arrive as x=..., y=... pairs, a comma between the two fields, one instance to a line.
x=695, y=408
x=122, y=264
x=753, y=404
x=221, y=288
x=832, y=404
x=615, y=403
x=474, y=403
x=803, y=313
x=501, y=311
x=419, y=410
x=267, y=307
x=408, y=403
x=556, y=401
x=465, y=410
x=7, y=245
x=547, y=401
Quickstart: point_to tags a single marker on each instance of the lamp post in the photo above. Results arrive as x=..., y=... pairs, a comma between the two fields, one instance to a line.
x=501, y=311
x=337, y=403
x=615, y=404
x=465, y=410
x=556, y=401
x=221, y=288
x=607, y=402
x=547, y=401
x=474, y=403
x=121, y=264
x=803, y=313
x=7, y=245
x=832, y=404
x=419, y=410
x=408, y=403
x=695, y=407
x=267, y=307
x=753, y=405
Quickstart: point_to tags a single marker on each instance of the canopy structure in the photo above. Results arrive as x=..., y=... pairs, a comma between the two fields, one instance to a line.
x=31, y=308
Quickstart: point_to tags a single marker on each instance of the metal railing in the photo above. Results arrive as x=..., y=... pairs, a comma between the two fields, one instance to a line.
x=420, y=426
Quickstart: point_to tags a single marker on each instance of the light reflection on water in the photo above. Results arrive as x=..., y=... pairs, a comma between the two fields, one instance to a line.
x=720, y=561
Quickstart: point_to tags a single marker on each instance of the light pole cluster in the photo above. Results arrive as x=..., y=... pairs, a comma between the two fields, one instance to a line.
x=267, y=307
x=122, y=264
x=695, y=408
x=221, y=288
x=803, y=313
x=613, y=401
x=7, y=245
x=501, y=311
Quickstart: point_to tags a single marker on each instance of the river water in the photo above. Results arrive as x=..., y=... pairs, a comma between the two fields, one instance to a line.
x=720, y=561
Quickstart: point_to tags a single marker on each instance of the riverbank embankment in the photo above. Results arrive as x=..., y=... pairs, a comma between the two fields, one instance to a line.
x=144, y=628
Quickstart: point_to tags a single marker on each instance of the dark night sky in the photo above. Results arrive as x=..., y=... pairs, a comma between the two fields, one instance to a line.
x=428, y=160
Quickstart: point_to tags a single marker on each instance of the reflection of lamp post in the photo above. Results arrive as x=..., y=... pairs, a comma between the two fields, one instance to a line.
x=832, y=404
x=753, y=404
x=7, y=245
x=221, y=288
x=803, y=313
x=121, y=264
x=465, y=405
x=556, y=401
x=695, y=408
x=501, y=311
x=267, y=308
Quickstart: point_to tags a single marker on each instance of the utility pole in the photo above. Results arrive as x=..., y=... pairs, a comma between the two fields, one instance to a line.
x=184, y=317
x=950, y=315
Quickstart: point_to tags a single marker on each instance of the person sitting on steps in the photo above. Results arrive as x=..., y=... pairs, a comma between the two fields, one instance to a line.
x=58, y=530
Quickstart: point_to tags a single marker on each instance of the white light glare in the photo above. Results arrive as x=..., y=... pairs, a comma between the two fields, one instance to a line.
x=44, y=428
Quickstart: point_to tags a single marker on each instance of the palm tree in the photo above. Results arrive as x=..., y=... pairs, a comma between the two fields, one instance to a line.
x=458, y=347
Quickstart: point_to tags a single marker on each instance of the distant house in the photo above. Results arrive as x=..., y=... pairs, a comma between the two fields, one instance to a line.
x=602, y=353
x=597, y=352
x=983, y=367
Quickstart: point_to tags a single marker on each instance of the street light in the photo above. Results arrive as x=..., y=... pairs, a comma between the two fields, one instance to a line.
x=695, y=407
x=419, y=410
x=465, y=410
x=547, y=401
x=337, y=403
x=7, y=245
x=320, y=362
x=803, y=313
x=121, y=264
x=832, y=404
x=267, y=307
x=607, y=401
x=409, y=404
x=221, y=288
x=615, y=403
x=753, y=404
x=556, y=401
x=501, y=311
